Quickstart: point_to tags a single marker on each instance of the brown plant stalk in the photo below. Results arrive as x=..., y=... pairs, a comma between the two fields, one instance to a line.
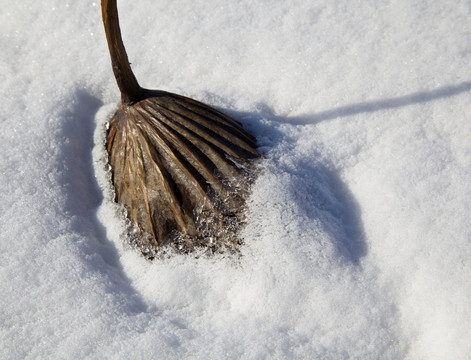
x=179, y=167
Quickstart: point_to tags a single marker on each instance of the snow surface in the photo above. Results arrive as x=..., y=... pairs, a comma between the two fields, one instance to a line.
x=358, y=244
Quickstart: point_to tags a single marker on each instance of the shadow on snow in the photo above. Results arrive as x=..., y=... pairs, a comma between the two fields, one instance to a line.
x=379, y=105
x=316, y=186
x=85, y=196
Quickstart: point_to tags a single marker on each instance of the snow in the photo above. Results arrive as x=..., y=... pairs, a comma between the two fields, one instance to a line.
x=358, y=240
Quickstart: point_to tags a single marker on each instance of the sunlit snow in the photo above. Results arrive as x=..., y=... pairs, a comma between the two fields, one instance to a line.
x=358, y=242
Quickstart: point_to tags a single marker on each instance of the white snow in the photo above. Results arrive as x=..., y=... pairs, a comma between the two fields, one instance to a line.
x=358, y=244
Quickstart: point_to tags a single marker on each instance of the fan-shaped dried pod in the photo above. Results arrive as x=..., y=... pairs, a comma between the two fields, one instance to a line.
x=180, y=168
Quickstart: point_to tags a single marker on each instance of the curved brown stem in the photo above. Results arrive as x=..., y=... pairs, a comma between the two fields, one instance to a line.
x=181, y=169
x=131, y=92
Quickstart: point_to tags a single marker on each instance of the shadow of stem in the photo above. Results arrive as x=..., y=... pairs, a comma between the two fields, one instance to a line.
x=385, y=104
